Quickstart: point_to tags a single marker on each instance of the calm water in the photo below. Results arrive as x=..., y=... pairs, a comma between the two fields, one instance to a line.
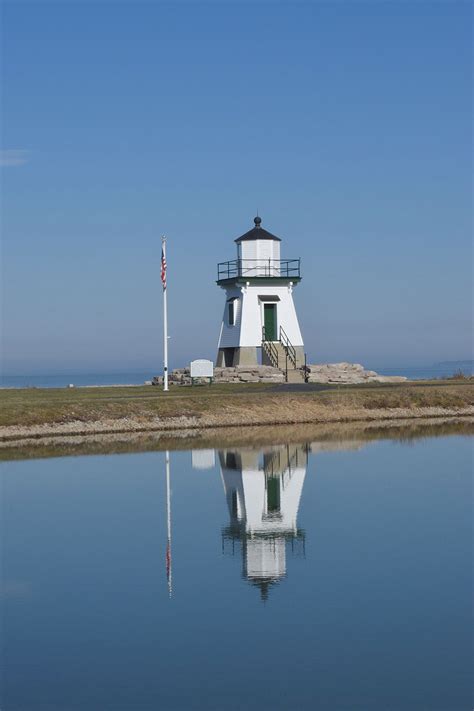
x=437, y=370
x=62, y=380
x=320, y=576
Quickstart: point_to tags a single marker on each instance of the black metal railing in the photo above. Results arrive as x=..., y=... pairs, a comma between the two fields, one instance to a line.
x=262, y=268
x=270, y=349
x=287, y=345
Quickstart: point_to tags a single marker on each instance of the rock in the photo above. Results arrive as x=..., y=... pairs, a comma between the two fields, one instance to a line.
x=346, y=374
x=343, y=373
x=234, y=374
x=248, y=374
x=390, y=379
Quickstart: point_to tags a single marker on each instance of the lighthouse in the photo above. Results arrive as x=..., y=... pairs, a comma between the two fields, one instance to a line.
x=263, y=491
x=259, y=324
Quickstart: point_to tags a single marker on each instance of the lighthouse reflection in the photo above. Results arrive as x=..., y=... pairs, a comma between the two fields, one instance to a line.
x=263, y=491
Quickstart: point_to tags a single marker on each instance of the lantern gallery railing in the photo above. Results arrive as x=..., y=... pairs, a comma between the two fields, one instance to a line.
x=287, y=268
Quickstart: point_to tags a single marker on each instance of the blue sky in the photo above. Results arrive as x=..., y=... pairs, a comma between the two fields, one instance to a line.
x=347, y=124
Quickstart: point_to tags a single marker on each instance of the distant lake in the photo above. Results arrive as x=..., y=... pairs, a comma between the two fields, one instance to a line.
x=323, y=575
x=438, y=370
x=429, y=372
x=63, y=380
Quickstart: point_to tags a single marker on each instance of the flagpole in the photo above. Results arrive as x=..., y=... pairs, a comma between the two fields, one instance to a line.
x=165, y=317
x=168, y=512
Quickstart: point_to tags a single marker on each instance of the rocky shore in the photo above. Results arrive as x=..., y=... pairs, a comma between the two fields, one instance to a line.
x=330, y=373
x=347, y=374
x=237, y=374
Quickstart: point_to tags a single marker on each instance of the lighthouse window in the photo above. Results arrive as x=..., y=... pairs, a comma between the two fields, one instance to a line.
x=231, y=312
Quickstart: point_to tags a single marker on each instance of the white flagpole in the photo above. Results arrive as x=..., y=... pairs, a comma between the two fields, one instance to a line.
x=165, y=320
x=168, y=512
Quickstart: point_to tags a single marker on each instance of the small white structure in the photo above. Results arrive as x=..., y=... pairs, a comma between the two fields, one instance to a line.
x=259, y=310
x=201, y=368
x=203, y=458
x=263, y=491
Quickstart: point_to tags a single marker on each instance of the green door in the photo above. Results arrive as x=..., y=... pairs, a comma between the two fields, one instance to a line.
x=269, y=318
x=273, y=494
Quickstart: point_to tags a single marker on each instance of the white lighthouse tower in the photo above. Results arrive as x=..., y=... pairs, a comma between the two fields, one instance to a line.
x=259, y=311
x=263, y=491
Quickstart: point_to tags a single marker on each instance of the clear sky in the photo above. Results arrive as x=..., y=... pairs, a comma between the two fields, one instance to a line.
x=347, y=124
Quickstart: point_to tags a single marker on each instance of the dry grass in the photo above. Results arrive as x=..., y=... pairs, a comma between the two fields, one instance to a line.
x=115, y=409
x=34, y=406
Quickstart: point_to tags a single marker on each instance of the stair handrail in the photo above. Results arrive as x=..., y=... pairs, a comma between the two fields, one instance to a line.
x=288, y=346
x=272, y=353
x=270, y=349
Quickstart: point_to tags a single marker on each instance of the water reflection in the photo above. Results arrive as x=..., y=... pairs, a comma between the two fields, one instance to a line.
x=203, y=458
x=376, y=616
x=263, y=490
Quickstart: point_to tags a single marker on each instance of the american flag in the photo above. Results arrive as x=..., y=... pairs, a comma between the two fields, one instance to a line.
x=168, y=560
x=163, y=268
x=168, y=568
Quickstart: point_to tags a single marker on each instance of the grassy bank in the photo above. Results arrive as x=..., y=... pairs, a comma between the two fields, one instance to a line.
x=39, y=412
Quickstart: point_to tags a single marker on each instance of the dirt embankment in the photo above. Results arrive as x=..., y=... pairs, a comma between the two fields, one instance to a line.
x=59, y=414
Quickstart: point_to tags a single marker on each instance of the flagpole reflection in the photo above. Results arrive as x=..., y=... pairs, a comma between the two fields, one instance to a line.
x=168, y=513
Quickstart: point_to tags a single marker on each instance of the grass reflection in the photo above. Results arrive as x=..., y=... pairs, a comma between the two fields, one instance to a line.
x=335, y=435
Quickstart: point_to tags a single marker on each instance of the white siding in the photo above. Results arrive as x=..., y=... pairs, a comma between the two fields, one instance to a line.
x=230, y=335
x=251, y=320
x=249, y=482
x=249, y=249
x=265, y=249
x=259, y=257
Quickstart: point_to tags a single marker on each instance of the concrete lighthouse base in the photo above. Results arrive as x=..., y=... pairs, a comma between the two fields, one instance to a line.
x=300, y=359
x=230, y=357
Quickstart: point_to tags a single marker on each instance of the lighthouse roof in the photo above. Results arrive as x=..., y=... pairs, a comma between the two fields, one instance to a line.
x=257, y=232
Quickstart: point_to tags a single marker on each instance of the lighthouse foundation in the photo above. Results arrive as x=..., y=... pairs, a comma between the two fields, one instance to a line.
x=230, y=357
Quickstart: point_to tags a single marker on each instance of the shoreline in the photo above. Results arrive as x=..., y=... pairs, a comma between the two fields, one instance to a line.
x=331, y=435
x=18, y=434
x=384, y=379
x=74, y=387
x=38, y=414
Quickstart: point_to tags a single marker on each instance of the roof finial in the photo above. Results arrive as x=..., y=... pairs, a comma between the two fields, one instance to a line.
x=257, y=220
